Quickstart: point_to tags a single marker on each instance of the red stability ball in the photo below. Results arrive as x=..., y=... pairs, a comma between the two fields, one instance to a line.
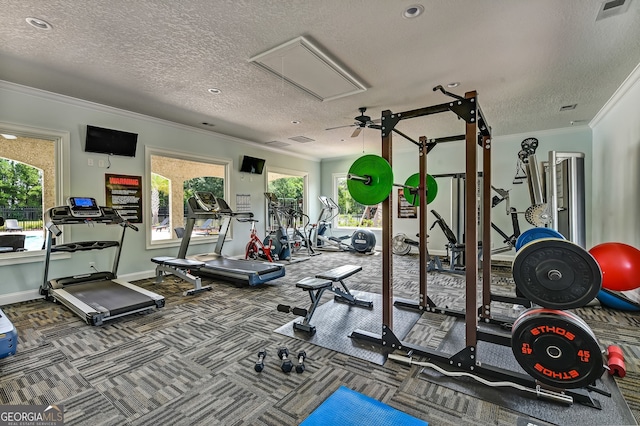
x=620, y=265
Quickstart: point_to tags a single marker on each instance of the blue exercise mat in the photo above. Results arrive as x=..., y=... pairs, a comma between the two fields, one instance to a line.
x=617, y=300
x=346, y=407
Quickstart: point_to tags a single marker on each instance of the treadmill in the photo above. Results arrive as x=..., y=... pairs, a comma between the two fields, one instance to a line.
x=95, y=297
x=204, y=205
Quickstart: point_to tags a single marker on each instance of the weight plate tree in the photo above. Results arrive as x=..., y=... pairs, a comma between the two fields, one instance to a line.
x=556, y=274
x=411, y=189
x=556, y=348
x=370, y=180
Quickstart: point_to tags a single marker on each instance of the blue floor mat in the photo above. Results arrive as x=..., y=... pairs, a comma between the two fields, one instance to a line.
x=346, y=407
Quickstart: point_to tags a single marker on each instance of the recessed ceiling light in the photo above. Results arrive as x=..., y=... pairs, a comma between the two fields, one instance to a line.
x=413, y=11
x=214, y=91
x=295, y=122
x=454, y=84
x=9, y=136
x=39, y=23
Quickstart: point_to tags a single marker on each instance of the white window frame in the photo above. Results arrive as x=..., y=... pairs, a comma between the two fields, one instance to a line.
x=62, y=144
x=290, y=172
x=174, y=242
x=334, y=183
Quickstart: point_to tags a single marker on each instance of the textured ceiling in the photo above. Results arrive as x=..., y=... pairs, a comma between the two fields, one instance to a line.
x=525, y=59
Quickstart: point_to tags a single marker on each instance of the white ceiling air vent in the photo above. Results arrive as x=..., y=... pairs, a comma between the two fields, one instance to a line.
x=612, y=8
x=305, y=66
x=302, y=139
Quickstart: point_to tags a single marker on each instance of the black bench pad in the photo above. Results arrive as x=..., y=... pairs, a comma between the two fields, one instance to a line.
x=310, y=283
x=178, y=263
x=339, y=273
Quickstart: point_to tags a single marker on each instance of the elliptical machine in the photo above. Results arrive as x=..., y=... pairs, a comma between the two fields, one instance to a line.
x=362, y=240
x=286, y=244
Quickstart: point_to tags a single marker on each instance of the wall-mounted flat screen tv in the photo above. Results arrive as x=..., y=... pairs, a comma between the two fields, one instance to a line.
x=252, y=165
x=112, y=142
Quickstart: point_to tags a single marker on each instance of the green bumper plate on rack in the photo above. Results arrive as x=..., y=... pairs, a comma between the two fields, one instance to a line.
x=412, y=195
x=378, y=171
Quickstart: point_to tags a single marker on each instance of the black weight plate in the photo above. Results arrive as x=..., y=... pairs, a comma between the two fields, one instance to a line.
x=556, y=274
x=556, y=348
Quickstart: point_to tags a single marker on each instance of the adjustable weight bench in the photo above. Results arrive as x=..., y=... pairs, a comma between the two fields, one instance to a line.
x=317, y=286
x=180, y=268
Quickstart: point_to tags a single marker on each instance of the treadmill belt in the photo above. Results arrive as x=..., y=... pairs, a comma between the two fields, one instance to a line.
x=242, y=266
x=110, y=296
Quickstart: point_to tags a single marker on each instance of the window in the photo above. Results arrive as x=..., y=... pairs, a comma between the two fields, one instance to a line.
x=33, y=178
x=351, y=213
x=290, y=189
x=173, y=178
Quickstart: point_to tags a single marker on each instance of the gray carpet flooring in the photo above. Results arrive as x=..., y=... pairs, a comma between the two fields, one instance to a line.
x=191, y=362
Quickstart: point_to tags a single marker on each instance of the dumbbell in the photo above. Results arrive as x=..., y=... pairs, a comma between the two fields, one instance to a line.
x=301, y=357
x=286, y=365
x=262, y=354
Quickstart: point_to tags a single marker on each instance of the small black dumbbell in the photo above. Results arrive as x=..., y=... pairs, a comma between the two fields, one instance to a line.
x=301, y=357
x=262, y=354
x=287, y=365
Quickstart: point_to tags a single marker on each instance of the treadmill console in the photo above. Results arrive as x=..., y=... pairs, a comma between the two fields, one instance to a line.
x=206, y=201
x=83, y=207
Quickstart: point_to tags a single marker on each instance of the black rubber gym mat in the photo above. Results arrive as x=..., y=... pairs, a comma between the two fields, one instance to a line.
x=334, y=322
x=615, y=410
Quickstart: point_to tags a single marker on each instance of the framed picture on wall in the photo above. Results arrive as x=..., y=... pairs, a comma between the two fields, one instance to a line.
x=405, y=209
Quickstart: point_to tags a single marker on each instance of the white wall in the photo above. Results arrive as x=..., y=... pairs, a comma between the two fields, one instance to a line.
x=616, y=163
x=449, y=158
x=34, y=108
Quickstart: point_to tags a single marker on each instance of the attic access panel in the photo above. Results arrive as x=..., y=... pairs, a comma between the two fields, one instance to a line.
x=305, y=66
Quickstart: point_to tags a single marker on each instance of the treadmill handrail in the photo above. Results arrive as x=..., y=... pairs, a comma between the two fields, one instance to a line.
x=84, y=246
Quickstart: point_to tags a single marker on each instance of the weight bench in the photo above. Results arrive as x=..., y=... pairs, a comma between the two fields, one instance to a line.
x=317, y=286
x=455, y=250
x=180, y=268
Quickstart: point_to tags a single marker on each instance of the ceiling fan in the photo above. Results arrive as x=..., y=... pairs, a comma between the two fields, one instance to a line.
x=361, y=122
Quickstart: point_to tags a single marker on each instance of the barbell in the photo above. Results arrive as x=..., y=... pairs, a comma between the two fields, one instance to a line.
x=370, y=180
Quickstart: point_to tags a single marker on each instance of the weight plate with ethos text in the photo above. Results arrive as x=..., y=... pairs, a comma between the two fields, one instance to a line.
x=556, y=348
x=556, y=274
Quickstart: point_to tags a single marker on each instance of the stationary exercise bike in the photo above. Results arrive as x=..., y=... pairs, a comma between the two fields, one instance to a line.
x=256, y=249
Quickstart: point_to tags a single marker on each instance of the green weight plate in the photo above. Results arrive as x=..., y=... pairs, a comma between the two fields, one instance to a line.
x=378, y=170
x=557, y=348
x=413, y=181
